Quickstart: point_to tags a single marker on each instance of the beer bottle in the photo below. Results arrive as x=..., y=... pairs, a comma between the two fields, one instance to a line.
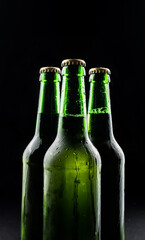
x=72, y=166
x=112, y=174
x=45, y=133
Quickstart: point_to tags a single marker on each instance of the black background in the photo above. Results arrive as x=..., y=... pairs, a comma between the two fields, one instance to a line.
x=37, y=34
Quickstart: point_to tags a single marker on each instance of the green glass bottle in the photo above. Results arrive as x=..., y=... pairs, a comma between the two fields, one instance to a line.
x=112, y=174
x=45, y=133
x=72, y=167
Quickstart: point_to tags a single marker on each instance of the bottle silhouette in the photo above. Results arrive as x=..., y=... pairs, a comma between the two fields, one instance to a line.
x=72, y=167
x=45, y=133
x=112, y=174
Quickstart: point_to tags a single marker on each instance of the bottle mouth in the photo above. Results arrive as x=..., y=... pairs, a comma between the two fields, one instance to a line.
x=73, y=71
x=50, y=75
x=103, y=78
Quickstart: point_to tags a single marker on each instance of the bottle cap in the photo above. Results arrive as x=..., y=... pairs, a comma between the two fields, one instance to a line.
x=100, y=70
x=50, y=69
x=73, y=62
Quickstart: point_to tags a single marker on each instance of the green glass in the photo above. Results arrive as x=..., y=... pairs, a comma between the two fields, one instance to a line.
x=112, y=174
x=72, y=169
x=45, y=133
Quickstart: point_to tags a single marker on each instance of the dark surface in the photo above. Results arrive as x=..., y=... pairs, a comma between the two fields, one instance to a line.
x=33, y=35
x=135, y=222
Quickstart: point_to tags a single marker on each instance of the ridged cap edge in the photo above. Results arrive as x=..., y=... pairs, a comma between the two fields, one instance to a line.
x=50, y=69
x=68, y=62
x=100, y=70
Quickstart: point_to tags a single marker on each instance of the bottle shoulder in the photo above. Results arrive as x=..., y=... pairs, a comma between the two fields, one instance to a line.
x=115, y=145
x=110, y=149
x=34, y=151
x=65, y=154
x=118, y=151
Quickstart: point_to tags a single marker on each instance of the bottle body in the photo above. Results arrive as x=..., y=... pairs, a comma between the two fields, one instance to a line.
x=112, y=186
x=32, y=190
x=112, y=194
x=32, y=180
x=112, y=156
x=71, y=194
x=72, y=170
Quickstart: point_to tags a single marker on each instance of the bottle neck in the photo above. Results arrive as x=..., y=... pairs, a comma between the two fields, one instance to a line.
x=99, y=111
x=72, y=119
x=48, y=106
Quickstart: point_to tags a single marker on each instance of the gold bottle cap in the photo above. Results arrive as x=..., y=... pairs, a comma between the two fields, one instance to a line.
x=73, y=62
x=50, y=69
x=100, y=70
